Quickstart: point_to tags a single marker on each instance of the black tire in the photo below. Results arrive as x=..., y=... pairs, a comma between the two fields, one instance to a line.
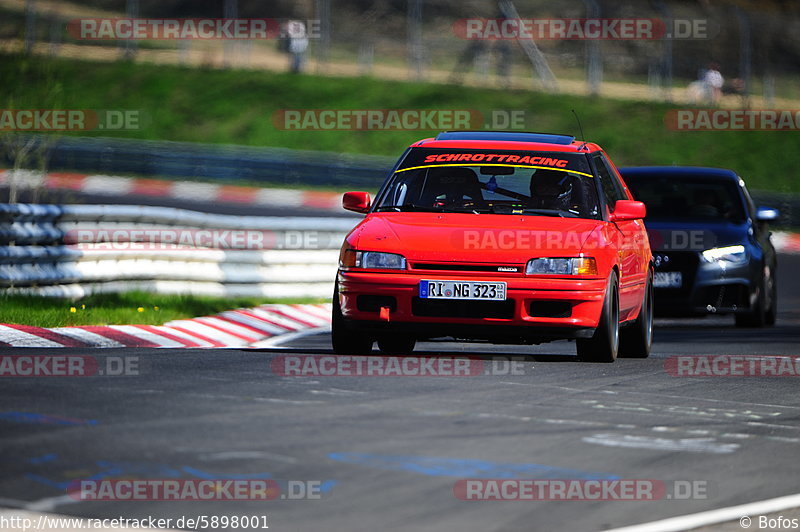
x=757, y=317
x=344, y=340
x=603, y=346
x=772, y=308
x=636, y=340
x=396, y=345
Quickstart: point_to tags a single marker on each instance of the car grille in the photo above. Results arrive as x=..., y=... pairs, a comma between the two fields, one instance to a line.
x=461, y=267
x=446, y=308
x=685, y=262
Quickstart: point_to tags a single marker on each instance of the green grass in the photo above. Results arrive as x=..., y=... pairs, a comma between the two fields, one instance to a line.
x=118, y=309
x=237, y=107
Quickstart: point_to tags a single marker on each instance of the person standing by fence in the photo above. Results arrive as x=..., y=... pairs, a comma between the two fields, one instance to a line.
x=294, y=41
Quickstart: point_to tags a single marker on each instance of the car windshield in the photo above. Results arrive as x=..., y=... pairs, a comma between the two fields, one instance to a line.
x=689, y=198
x=529, y=183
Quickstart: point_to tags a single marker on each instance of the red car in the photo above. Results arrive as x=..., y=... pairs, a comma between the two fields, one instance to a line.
x=501, y=237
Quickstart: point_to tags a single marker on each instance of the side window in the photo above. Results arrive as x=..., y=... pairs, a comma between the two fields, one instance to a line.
x=612, y=189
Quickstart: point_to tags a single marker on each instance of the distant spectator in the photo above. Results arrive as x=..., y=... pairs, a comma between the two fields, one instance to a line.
x=295, y=44
x=708, y=87
x=713, y=81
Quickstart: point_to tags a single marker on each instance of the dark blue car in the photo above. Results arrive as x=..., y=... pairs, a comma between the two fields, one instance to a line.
x=711, y=246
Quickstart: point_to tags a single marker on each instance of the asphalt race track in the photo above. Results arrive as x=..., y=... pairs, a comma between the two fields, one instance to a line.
x=387, y=451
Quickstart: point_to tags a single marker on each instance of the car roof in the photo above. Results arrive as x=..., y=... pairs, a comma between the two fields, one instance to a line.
x=507, y=140
x=678, y=171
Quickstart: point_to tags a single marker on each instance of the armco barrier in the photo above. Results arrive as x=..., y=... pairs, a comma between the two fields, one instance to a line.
x=36, y=256
x=110, y=158
x=39, y=253
x=213, y=161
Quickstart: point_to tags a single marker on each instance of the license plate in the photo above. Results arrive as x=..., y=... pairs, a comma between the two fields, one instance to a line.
x=462, y=290
x=668, y=280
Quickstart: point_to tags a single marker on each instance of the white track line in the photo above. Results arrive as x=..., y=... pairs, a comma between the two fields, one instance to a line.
x=282, y=339
x=712, y=517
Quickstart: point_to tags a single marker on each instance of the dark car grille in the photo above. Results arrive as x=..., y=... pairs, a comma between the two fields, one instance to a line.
x=685, y=262
x=460, y=267
x=447, y=308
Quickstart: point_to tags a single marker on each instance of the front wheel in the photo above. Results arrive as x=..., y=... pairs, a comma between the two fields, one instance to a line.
x=345, y=341
x=757, y=316
x=604, y=344
x=772, y=307
x=636, y=340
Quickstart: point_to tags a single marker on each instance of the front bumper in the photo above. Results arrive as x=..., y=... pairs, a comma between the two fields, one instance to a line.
x=536, y=308
x=708, y=288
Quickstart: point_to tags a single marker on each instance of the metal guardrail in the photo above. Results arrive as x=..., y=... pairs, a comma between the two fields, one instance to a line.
x=43, y=251
x=282, y=166
x=213, y=161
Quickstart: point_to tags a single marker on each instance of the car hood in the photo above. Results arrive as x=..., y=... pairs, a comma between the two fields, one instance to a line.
x=677, y=236
x=481, y=238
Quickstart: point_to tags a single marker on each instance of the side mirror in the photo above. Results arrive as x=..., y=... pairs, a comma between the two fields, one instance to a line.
x=357, y=201
x=628, y=210
x=767, y=214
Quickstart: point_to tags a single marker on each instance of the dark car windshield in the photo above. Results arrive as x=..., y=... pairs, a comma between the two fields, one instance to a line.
x=495, y=181
x=688, y=198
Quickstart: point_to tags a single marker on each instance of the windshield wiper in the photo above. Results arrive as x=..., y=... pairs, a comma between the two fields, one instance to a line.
x=540, y=212
x=413, y=207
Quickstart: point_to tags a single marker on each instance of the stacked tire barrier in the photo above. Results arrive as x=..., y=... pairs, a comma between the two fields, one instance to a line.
x=76, y=250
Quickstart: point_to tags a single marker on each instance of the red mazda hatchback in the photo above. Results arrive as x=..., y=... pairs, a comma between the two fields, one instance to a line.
x=501, y=237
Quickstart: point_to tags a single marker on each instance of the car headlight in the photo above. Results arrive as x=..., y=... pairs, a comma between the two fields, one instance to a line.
x=562, y=266
x=351, y=258
x=726, y=254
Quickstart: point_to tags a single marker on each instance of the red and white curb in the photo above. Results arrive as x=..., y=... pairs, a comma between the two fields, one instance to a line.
x=254, y=327
x=786, y=242
x=107, y=185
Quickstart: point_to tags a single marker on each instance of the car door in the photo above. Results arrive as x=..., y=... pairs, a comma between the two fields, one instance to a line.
x=631, y=238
